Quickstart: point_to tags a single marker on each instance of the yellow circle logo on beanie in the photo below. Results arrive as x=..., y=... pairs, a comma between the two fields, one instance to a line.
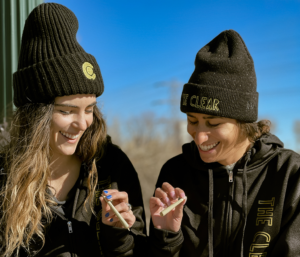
x=88, y=70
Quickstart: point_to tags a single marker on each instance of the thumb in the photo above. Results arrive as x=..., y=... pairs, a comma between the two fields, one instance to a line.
x=105, y=206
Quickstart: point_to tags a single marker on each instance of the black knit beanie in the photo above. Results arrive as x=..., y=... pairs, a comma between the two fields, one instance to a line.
x=51, y=62
x=224, y=81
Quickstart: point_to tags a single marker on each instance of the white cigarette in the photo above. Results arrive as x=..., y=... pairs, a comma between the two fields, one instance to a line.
x=171, y=207
x=125, y=224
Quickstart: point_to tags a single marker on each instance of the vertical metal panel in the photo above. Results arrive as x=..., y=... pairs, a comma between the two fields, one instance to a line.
x=2, y=61
x=13, y=14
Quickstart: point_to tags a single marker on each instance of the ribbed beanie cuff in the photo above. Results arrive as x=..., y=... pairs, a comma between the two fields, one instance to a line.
x=220, y=102
x=60, y=76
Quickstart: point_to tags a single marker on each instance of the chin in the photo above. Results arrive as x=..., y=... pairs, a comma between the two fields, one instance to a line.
x=208, y=160
x=69, y=152
x=66, y=151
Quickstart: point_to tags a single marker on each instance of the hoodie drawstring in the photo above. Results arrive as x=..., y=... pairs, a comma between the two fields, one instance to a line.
x=210, y=214
x=244, y=203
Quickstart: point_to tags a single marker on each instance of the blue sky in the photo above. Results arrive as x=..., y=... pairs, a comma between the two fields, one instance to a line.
x=142, y=45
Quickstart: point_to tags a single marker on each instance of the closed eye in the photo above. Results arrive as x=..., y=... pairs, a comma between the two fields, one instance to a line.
x=212, y=125
x=192, y=122
x=64, y=112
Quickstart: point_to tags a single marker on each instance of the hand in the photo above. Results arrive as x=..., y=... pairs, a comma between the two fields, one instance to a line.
x=119, y=200
x=164, y=197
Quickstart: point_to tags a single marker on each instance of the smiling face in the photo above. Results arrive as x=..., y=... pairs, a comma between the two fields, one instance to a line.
x=218, y=139
x=72, y=115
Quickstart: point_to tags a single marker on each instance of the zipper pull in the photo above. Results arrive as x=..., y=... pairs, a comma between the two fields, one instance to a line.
x=230, y=174
x=70, y=227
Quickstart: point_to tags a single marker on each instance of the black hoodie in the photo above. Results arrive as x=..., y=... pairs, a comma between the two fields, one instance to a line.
x=257, y=214
x=75, y=231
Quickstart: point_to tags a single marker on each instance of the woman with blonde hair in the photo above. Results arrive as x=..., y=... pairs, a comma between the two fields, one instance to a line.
x=242, y=186
x=59, y=160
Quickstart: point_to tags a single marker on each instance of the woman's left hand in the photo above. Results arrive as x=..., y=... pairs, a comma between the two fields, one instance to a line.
x=120, y=202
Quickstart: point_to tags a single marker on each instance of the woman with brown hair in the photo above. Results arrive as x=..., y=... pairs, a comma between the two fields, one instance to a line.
x=240, y=186
x=59, y=160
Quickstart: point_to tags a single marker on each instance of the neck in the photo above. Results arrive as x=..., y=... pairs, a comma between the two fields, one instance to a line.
x=61, y=165
x=64, y=174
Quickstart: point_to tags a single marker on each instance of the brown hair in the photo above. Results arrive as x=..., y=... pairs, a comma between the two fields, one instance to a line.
x=255, y=130
x=23, y=198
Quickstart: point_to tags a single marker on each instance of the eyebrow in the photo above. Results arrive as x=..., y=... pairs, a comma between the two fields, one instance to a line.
x=74, y=106
x=212, y=117
x=205, y=118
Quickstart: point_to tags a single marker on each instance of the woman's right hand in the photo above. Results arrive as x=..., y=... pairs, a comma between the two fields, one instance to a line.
x=164, y=197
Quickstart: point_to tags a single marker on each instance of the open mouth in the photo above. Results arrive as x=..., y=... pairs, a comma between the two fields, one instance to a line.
x=207, y=148
x=69, y=136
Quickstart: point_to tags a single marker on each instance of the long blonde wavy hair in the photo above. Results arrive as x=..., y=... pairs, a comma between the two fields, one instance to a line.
x=24, y=198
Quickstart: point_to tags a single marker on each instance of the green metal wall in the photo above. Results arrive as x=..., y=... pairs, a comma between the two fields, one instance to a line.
x=13, y=14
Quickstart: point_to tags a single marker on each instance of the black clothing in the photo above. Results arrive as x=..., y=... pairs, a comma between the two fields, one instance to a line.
x=258, y=214
x=224, y=81
x=76, y=232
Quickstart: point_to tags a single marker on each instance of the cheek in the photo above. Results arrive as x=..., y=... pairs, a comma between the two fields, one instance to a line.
x=190, y=130
x=59, y=122
x=228, y=135
x=90, y=120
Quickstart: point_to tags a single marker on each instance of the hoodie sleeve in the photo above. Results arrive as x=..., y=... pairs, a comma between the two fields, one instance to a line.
x=287, y=243
x=119, y=241
x=165, y=243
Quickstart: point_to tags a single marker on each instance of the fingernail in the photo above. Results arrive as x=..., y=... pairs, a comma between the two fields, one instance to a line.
x=173, y=195
x=111, y=220
x=108, y=197
x=105, y=191
x=107, y=214
x=182, y=195
x=168, y=201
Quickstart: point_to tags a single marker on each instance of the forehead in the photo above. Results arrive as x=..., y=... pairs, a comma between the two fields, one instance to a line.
x=76, y=99
x=202, y=116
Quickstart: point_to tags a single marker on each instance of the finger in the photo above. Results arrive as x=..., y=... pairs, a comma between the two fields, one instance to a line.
x=163, y=196
x=110, y=220
x=178, y=213
x=109, y=191
x=127, y=216
x=122, y=207
x=155, y=202
x=106, y=212
x=117, y=196
x=179, y=193
x=105, y=206
x=169, y=189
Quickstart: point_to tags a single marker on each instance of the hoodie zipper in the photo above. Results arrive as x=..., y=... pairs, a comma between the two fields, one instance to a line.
x=70, y=229
x=230, y=175
x=229, y=212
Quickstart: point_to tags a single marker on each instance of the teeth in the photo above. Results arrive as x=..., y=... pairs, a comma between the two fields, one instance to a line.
x=69, y=135
x=207, y=147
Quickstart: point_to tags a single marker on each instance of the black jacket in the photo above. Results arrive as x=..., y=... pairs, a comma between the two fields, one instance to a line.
x=258, y=215
x=77, y=232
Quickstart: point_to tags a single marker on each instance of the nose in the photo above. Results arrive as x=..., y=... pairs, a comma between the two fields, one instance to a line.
x=201, y=137
x=80, y=122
